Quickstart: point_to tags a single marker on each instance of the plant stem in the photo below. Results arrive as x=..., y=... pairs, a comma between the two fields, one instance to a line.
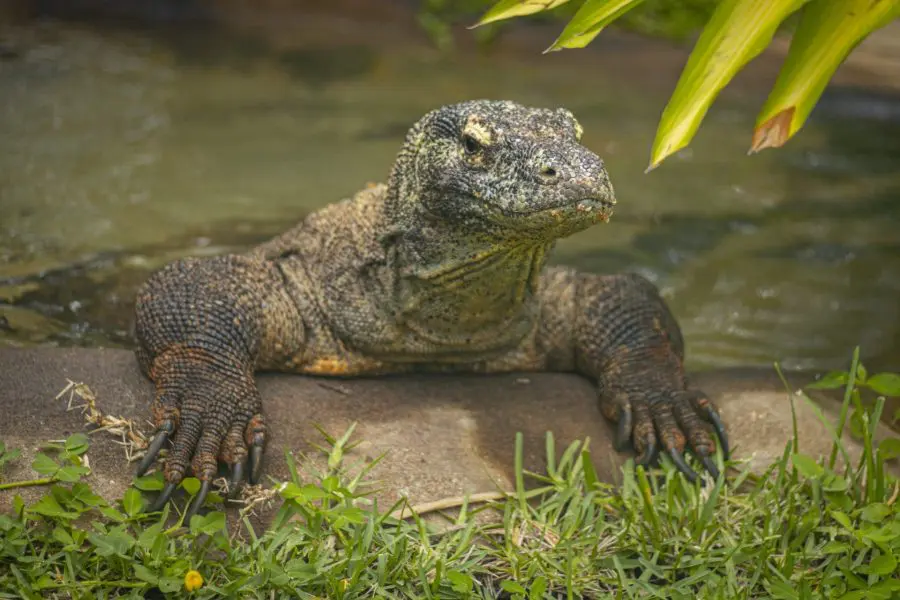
x=27, y=483
x=93, y=583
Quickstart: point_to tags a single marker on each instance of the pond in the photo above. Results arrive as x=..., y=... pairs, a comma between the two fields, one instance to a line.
x=124, y=148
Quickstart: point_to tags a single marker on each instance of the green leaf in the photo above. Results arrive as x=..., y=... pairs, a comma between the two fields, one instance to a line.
x=77, y=443
x=71, y=473
x=150, y=483
x=827, y=32
x=886, y=384
x=884, y=564
x=460, y=582
x=589, y=21
x=191, y=485
x=807, y=466
x=145, y=574
x=83, y=493
x=116, y=542
x=49, y=507
x=148, y=537
x=889, y=532
x=538, y=588
x=832, y=482
x=506, y=9
x=44, y=465
x=512, y=587
x=170, y=585
x=783, y=590
x=834, y=547
x=737, y=32
x=875, y=513
x=861, y=373
x=209, y=523
x=842, y=519
x=889, y=448
x=830, y=381
x=854, y=595
x=132, y=502
x=63, y=537
x=885, y=587
x=840, y=501
x=111, y=513
x=8, y=455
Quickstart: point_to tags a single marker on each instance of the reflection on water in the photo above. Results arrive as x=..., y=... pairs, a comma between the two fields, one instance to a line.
x=124, y=150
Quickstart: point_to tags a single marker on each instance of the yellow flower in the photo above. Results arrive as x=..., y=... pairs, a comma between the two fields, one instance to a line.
x=193, y=580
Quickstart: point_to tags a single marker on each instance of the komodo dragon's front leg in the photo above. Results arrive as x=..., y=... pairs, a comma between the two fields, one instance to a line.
x=618, y=331
x=203, y=326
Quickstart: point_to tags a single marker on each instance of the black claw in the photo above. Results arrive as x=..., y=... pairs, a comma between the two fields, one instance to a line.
x=256, y=454
x=237, y=475
x=156, y=444
x=649, y=454
x=714, y=418
x=710, y=466
x=198, y=501
x=163, y=497
x=678, y=459
x=623, y=431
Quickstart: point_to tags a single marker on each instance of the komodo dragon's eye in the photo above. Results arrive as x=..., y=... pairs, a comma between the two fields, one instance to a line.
x=470, y=144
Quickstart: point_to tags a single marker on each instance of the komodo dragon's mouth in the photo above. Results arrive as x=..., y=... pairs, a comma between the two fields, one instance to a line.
x=601, y=207
x=561, y=219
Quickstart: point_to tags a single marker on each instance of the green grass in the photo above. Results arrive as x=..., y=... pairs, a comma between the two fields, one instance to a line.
x=805, y=529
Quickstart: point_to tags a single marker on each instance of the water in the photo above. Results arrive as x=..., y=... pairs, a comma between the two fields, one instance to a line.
x=124, y=149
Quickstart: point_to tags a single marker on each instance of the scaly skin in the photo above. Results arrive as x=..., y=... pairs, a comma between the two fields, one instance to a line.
x=441, y=270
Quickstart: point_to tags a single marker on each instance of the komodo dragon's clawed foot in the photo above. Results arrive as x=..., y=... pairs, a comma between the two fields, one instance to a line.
x=669, y=423
x=211, y=417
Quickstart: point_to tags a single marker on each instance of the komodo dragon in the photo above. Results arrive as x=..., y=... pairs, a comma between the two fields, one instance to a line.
x=440, y=270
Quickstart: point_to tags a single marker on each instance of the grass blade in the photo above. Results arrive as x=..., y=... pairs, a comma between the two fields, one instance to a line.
x=845, y=406
x=519, y=471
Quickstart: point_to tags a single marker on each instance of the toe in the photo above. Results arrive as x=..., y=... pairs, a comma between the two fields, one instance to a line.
x=706, y=409
x=617, y=408
x=698, y=435
x=165, y=411
x=255, y=436
x=666, y=426
x=234, y=453
x=205, y=459
x=671, y=436
x=644, y=434
x=183, y=446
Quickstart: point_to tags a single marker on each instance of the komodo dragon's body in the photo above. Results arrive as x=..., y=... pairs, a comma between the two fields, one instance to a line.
x=442, y=269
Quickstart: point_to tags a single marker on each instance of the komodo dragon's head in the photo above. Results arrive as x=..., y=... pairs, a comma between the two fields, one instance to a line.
x=502, y=169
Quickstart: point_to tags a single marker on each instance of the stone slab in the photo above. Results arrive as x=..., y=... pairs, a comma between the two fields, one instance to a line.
x=444, y=435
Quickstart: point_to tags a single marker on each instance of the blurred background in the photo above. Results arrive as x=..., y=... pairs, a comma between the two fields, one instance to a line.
x=134, y=132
